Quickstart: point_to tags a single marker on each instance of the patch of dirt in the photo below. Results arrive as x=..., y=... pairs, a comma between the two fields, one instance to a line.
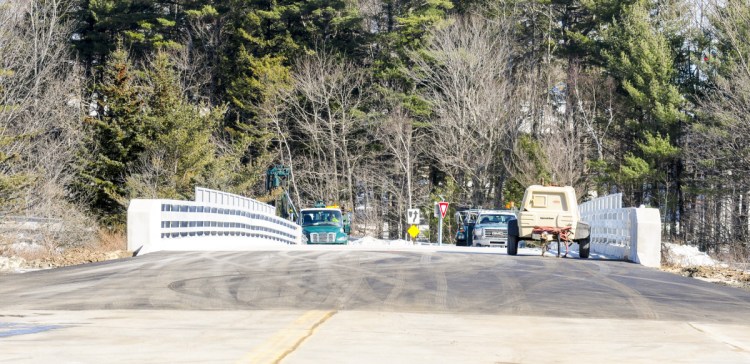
x=25, y=256
x=716, y=274
x=73, y=256
x=76, y=256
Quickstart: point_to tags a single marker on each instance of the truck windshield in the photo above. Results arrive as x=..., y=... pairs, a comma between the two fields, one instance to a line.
x=494, y=219
x=321, y=217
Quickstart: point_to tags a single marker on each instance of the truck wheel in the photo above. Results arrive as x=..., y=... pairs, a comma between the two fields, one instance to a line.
x=584, y=247
x=512, y=245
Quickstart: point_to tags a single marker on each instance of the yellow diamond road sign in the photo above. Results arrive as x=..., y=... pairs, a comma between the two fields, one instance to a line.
x=413, y=231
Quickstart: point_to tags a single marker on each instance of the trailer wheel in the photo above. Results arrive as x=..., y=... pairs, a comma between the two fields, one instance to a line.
x=512, y=245
x=584, y=247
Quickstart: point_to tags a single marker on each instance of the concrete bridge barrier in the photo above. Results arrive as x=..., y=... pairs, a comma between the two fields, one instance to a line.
x=214, y=221
x=632, y=234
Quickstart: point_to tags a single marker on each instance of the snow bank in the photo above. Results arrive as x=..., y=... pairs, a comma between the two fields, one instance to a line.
x=686, y=256
x=12, y=264
x=371, y=242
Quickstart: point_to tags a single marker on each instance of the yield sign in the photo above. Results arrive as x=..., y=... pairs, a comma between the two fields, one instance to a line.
x=443, y=208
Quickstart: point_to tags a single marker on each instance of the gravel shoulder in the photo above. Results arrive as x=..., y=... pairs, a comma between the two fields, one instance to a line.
x=70, y=257
x=720, y=275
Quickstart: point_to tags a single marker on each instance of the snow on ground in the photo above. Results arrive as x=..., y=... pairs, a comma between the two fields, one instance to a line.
x=688, y=261
x=685, y=256
x=374, y=242
x=369, y=242
x=12, y=264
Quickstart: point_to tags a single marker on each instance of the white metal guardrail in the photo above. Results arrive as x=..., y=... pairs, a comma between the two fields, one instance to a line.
x=628, y=233
x=609, y=202
x=214, y=221
x=204, y=195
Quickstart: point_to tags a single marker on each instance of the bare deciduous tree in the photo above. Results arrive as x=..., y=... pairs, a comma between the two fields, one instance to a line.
x=715, y=150
x=397, y=134
x=323, y=106
x=464, y=74
x=396, y=175
x=557, y=155
x=40, y=111
x=594, y=110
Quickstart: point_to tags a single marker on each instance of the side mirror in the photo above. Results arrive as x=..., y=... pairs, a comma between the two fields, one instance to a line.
x=348, y=222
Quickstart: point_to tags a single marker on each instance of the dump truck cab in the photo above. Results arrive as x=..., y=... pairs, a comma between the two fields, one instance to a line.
x=324, y=226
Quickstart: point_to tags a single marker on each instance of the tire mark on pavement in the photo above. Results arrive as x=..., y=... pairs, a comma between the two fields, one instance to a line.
x=398, y=288
x=441, y=288
x=514, y=294
x=640, y=304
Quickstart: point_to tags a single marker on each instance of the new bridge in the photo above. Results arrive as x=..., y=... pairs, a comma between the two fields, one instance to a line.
x=289, y=303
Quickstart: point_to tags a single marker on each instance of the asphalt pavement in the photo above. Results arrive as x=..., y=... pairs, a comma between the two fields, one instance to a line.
x=322, y=305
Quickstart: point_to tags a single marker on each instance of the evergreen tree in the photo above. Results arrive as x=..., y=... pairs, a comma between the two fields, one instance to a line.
x=12, y=181
x=143, y=26
x=180, y=153
x=407, y=25
x=119, y=137
x=639, y=56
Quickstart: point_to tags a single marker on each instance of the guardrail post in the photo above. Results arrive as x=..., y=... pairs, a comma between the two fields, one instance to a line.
x=144, y=219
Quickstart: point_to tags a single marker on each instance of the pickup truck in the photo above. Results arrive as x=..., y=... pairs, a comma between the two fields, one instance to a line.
x=549, y=213
x=491, y=228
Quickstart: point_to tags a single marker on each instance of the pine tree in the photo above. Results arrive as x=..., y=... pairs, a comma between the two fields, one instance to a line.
x=12, y=181
x=407, y=27
x=180, y=153
x=639, y=56
x=143, y=26
x=119, y=138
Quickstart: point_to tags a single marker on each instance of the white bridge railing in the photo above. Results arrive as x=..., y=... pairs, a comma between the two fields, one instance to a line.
x=627, y=233
x=214, y=221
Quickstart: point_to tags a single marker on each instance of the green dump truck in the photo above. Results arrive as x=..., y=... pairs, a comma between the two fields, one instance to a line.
x=324, y=225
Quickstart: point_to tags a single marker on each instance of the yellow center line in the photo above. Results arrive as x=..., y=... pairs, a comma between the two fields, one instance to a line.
x=288, y=339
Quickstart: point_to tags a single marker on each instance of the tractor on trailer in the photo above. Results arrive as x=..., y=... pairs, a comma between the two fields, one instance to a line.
x=549, y=213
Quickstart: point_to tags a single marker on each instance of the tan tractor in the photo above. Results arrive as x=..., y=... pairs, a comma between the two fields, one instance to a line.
x=547, y=214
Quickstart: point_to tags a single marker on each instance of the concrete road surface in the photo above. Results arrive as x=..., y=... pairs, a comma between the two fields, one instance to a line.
x=346, y=305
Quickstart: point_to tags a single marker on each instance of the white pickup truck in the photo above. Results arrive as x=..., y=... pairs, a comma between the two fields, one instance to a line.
x=549, y=213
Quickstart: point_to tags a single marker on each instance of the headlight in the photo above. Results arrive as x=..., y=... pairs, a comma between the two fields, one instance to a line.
x=342, y=238
x=305, y=240
x=478, y=232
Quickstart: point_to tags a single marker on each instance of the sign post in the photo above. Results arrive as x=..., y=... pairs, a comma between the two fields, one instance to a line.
x=443, y=207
